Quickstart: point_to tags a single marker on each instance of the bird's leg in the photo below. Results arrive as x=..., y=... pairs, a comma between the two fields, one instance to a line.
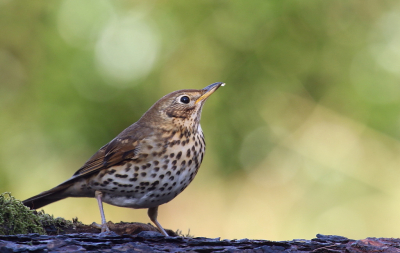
x=153, y=212
x=104, y=227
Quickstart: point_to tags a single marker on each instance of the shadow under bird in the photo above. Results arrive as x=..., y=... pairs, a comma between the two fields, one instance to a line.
x=146, y=165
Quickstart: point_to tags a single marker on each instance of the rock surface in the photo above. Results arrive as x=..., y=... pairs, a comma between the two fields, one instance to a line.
x=150, y=241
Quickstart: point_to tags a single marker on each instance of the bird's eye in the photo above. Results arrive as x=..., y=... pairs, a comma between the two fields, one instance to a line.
x=185, y=99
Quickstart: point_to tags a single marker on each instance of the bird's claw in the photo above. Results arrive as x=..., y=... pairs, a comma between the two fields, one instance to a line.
x=103, y=227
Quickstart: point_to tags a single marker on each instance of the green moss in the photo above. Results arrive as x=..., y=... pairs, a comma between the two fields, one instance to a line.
x=56, y=225
x=15, y=218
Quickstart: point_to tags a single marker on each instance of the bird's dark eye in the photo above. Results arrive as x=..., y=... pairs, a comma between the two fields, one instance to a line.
x=185, y=99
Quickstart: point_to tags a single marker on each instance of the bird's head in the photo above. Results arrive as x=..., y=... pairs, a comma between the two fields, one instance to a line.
x=179, y=109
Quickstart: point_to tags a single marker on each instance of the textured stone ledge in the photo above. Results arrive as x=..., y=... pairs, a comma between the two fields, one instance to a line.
x=149, y=241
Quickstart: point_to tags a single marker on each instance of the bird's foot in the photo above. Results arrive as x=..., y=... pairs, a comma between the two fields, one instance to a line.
x=103, y=227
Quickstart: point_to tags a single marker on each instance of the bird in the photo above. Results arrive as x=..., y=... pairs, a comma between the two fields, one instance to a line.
x=148, y=164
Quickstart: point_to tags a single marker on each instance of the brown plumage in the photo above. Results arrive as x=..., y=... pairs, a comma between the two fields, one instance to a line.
x=147, y=164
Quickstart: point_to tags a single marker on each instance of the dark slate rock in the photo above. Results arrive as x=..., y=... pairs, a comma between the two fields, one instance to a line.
x=150, y=241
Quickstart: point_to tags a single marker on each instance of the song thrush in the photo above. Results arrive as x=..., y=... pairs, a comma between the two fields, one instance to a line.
x=146, y=165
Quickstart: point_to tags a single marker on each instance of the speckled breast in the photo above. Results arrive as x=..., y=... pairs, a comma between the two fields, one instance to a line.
x=162, y=171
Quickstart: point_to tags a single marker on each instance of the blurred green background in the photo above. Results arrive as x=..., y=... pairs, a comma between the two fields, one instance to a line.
x=303, y=139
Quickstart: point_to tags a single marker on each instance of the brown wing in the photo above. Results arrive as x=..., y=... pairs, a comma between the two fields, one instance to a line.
x=115, y=152
x=125, y=146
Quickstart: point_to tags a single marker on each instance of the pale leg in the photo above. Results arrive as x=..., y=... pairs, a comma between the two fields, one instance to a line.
x=104, y=227
x=153, y=212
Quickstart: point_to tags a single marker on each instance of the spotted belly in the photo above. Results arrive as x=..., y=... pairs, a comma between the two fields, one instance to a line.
x=163, y=174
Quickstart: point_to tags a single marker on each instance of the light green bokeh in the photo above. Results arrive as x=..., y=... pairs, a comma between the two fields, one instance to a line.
x=318, y=81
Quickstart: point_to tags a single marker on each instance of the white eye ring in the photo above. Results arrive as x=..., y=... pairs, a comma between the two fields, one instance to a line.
x=184, y=99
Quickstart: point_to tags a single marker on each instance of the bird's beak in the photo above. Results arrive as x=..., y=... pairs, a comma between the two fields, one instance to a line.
x=208, y=91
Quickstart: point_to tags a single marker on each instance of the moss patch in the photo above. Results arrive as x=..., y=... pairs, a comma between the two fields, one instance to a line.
x=56, y=226
x=15, y=218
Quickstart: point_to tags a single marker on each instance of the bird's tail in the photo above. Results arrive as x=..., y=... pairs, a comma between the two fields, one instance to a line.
x=47, y=197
